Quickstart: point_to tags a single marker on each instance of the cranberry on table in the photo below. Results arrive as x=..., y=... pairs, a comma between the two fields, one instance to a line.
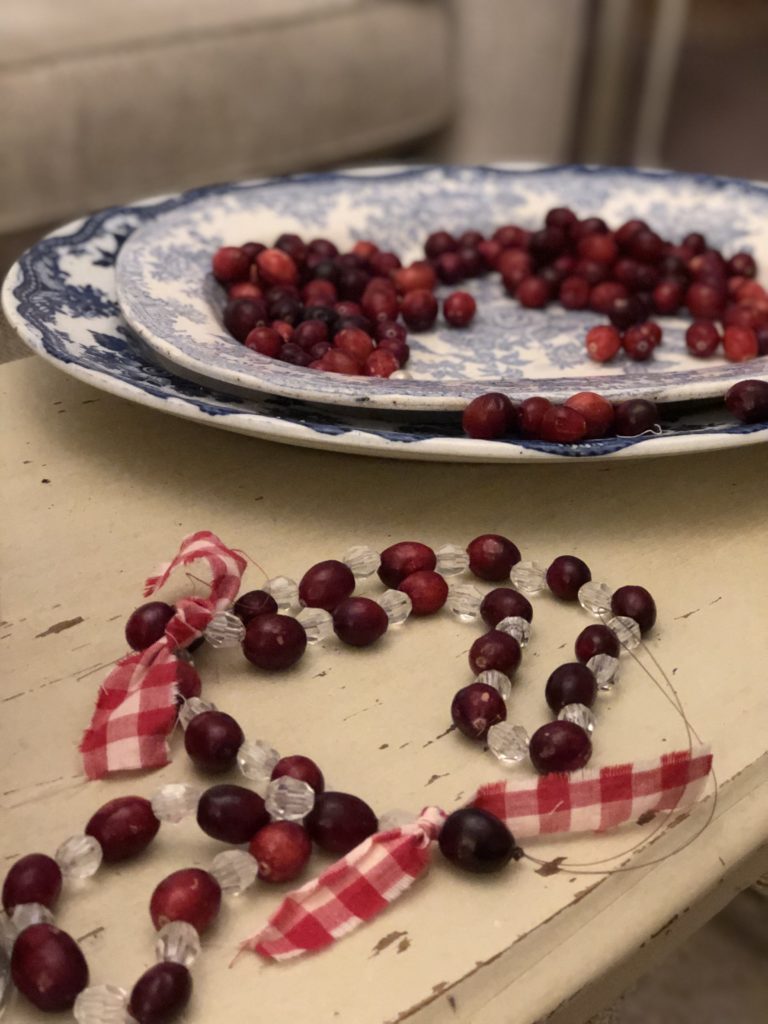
x=161, y=993
x=281, y=849
x=212, y=740
x=383, y=362
x=123, y=827
x=740, y=344
x=636, y=603
x=597, y=412
x=491, y=556
x=475, y=708
x=505, y=603
x=427, y=590
x=637, y=344
x=299, y=767
x=439, y=242
x=566, y=575
x=146, y=625
x=605, y=293
x=253, y=603
x=35, y=878
x=559, y=747
x=635, y=416
x=667, y=297
x=190, y=895
x=748, y=400
x=340, y=821
x=274, y=642
x=562, y=424
x=596, y=639
x=449, y=267
x=603, y=343
x=326, y=584
x=495, y=650
x=625, y=311
x=476, y=841
x=459, y=308
x=530, y=415
x=231, y=814
x=188, y=681
x=574, y=292
x=705, y=300
x=533, y=292
x=702, y=338
x=48, y=967
x=359, y=621
x=419, y=309
x=401, y=559
x=572, y=683
x=488, y=416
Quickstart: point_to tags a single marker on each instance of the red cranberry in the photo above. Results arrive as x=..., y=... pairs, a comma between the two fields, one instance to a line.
x=418, y=275
x=533, y=292
x=560, y=217
x=230, y=264
x=276, y=267
x=636, y=603
x=596, y=410
x=48, y=967
x=626, y=311
x=514, y=263
x=597, y=273
x=398, y=348
x=495, y=650
x=476, y=841
x=559, y=747
x=748, y=400
x=628, y=230
x=212, y=740
x=491, y=556
x=530, y=415
x=438, y=243
x=326, y=584
x=310, y=332
x=123, y=827
x=359, y=621
x=244, y=290
x=419, y=309
x=705, y=301
x=596, y=639
x=299, y=767
x=588, y=226
x=390, y=330
x=401, y=559
x=667, y=297
x=604, y=294
x=146, y=625
x=266, y=341
x=547, y=242
x=274, y=642
x=449, y=267
x=427, y=590
x=600, y=247
x=566, y=575
x=190, y=895
x=572, y=683
x=488, y=416
x=381, y=363
x=357, y=344
x=742, y=264
x=511, y=236
x=242, y=315
x=336, y=361
x=294, y=354
x=574, y=292
x=489, y=252
x=253, y=603
x=459, y=309
x=294, y=245
x=339, y=822
x=645, y=245
x=637, y=344
x=702, y=338
x=322, y=247
x=505, y=603
x=35, y=878
x=635, y=416
x=161, y=993
x=381, y=305
x=231, y=814
x=739, y=344
x=282, y=849
x=603, y=343
x=563, y=425
x=477, y=707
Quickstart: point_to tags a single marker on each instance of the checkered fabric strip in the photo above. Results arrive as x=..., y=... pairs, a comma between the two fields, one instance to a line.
x=136, y=705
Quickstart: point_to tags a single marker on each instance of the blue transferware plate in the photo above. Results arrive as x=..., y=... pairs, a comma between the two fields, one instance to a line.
x=60, y=297
x=168, y=296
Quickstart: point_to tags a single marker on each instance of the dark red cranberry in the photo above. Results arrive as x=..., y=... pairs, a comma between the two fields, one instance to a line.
x=161, y=993
x=294, y=354
x=326, y=584
x=740, y=344
x=748, y=401
x=274, y=642
x=559, y=747
x=291, y=311
x=322, y=247
x=253, y=603
x=399, y=349
x=190, y=895
x=212, y=740
x=324, y=314
x=596, y=273
x=419, y=309
x=702, y=338
x=48, y=967
x=705, y=301
x=742, y=264
x=533, y=292
x=470, y=239
x=628, y=230
x=265, y=340
x=427, y=590
x=242, y=315
x=563, y=425
x=401, y=559
x=230, y=264
x=231, y=814
x=459, y=309
x=123, y=827
x=695, y=241
x=637, y=344
x=626, y=311
x=276, y=267
x=495, y=650
x=438, y=243
x=596, y=639
x=390, y=330
x=359, y=621
x=352, y=283
x=309, y=332
x=491, y=556
x=282, y=850
x=357, y=344
x=294, y=245
x=574, y=292
x=566, y=575
x=604, y=294
x=505, y=603
x=572, y=683
x=636, y=603
x=510, y=236
x=635, y=416
x=668, y=297
x=299, y=767
x=560, y=217
x=325, y=270
x=35, y=878
x=547, y=242
x=188, y=682
x=488, y=416
x=588, y=226
x=477, y=841
x=530, y=415
x=646, y=245
x=146, y=625
x=597, y=412
x=477, y=707
x=449, y=267
x=339, y=822
x=600, y=246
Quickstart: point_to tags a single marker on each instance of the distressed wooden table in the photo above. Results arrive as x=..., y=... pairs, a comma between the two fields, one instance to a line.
x=97, y=492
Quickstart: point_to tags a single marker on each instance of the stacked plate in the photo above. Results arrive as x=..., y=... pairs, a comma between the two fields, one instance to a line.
x=124, y=300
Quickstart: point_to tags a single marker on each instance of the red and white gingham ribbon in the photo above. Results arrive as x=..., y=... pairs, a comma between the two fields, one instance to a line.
x=370, y=877
x=136, y=706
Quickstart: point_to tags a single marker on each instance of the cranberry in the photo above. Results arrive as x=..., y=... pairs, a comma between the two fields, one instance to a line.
x=574, y=292
x=309, y=332
x=357, y=344
x=547, y=242
x=645, y=245
x=705, y=301
x=276, y=267
x=419, y=309
x=212, y=740
x=515, y=263
x=748, y=400
x=510, y=236
x=326, y=584
x=635, y=416
x=339, y=822
x=48, y=967
x=291, y=311
x=336, y=361
x=35, y=878
x=628, y=230
x=253, y=603
x=604, y=294
x=636, y=603
x=322, y=247
x=230, y=264
x=382, y=305
x=489, y=252
x=359, y=621
x=742, y=264
x=294, y=245
x=741, y=315
x=303, y=768
x=123, y=827
x=560, y=217
x=190, y=895
x=161, y=993
x=600, y=247
x=231, y=814
x=603, y=343
x=401, y=559
x=244, y=290
x=459, y=309
x=427, y=590
x=533, y=292
x=626, y=311
x=476, y=841
x=438, y=243
x=530, y=415
x=274, y=642
x=702, y=338
x=588, y=226
x=597, y=273
x=491, y=556
x=381, y=363
x=146, y=625
x=637, y=344
x=294, y=354
x=488, y=416
x=559, y=747
x=325, y=270
x=504, y=603
x=476, y=708
x=739, y=344
x=667, y=297
x=563, y=425
x=352, y=283
x=566, y=575
x=572, y=683
x=495, y=650
x=449, y=267
x=399, y=349
x=242, y=315
x=282, y=850
x=596, y=410
x=390, y=330
x=596, y=639
x=266, y=341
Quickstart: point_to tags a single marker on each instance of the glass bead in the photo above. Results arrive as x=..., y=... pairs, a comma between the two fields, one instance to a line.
x=289, y=799
x=580, y=715
x=396, y=818
x=595, y=598
x=256, y=760
x=285, y=592
x=174, y=802
x=451, y=560
x=234, y=870
x=605, y=669
x=224, y=630
x=362, y=560
x=7, y=934
x=79, y=856
x=102, y=1004
x=317, y=623
x=193, y=706
x=517, y=627
x=499, y=681
x=528, y=577
x=6, y=984
x=178, y=942
x=464, y=602
x=626, y=629
x=508, y=742
x=25, y=914
x=397, y=605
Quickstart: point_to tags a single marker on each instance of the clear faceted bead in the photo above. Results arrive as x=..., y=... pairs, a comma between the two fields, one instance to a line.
x=362, y=560
x=451, y=560
x=464, y=602
x=626, y=629
x=193, y=706
x=174, y=802
x=317, y=623
x=7, y=933
x=289, y=799
x=580, y=715
x=395, y=818
x=6, y=984
x=595, y=598
x=285, y=592
x=397, y=605
x=500, y=682
x=178, y=942
x=234, y=870
x=102, y=1004
x=79, y=856
x=508, y=742
x=256, y=760
x=517, y=627
x=25, y=914
x=224, y=630
x=605, y=669
x=528, y=577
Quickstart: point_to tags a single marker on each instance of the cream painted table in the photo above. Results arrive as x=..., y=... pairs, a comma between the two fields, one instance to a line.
x=96, y=492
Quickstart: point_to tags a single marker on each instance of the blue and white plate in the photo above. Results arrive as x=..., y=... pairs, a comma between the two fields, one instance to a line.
x=168, y=296
x=61, y=298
